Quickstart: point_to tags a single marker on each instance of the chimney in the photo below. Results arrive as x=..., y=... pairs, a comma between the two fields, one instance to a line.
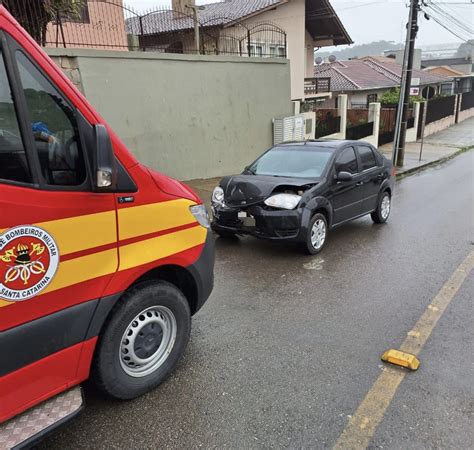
x=179, y=8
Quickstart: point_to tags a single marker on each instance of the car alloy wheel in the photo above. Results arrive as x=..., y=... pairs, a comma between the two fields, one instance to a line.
x=385, y=207
x=148, y=341
x=318, y=234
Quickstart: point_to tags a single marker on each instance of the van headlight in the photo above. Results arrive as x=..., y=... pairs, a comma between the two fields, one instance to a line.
x=218, y=195
x=283, y=201
x=201, y=215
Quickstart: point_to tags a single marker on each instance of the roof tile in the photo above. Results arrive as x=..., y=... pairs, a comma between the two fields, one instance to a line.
x=369, y=73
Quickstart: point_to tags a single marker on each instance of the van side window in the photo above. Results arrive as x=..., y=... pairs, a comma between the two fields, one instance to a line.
x=13, y=162
x=347, y=161
x=54, y=128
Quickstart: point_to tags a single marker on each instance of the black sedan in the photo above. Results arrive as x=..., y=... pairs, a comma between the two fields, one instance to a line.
x=298, y=191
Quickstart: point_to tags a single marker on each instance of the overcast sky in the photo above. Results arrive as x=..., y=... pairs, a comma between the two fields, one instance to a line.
x=368, y=21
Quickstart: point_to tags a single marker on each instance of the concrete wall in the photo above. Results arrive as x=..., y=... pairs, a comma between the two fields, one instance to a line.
x=188, y=116
x=342, y=112
x=439, y=125
x=463, y=115
x=411, y=135
x=374, y=117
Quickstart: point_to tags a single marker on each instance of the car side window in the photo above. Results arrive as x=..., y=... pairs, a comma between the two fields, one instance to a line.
x=54, y=128
x=13, y=161
x=367, y=157
x=347, y=161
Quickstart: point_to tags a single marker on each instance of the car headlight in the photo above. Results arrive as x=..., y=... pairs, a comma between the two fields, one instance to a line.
x=201, y=215
x=218, y=195
x=283, y=201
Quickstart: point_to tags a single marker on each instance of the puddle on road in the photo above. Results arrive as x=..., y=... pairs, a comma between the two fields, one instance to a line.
x=316, y=264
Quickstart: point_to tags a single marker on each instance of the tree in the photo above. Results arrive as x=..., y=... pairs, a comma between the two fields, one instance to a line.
x=466, y=49
x=392, y=96
x=34, y=15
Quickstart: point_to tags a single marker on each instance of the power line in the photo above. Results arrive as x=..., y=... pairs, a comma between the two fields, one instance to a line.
x=438, y=21
x=458, y=30
x=450, y=19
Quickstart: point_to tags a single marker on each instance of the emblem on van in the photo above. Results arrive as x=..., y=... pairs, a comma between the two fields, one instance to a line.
x=29, y=259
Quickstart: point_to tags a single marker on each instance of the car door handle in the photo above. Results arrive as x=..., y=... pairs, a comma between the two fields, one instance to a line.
x=359, y=183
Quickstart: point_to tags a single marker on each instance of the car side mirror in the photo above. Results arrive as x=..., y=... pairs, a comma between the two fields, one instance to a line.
x=344, y=176
x=105, y=171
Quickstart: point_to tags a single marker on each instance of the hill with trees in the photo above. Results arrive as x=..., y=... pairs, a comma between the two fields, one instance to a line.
x=372, y=48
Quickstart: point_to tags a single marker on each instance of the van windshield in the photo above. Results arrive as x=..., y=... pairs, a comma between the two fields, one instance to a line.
x=293, y=161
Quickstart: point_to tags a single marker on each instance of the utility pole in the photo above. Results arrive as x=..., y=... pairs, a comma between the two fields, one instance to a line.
x=196, y=26
x=404, y=103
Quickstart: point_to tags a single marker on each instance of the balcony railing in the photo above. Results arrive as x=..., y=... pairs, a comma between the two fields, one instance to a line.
x=313, y=86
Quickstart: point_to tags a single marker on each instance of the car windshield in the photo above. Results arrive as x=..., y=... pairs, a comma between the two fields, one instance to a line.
x=299, y=161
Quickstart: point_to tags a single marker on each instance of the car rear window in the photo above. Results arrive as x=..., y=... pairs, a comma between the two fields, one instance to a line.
x=293, y=161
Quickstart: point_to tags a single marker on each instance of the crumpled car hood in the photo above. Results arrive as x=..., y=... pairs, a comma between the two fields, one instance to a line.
x=246, y=190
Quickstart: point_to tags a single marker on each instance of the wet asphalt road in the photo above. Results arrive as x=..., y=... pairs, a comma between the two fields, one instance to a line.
x=288, y=345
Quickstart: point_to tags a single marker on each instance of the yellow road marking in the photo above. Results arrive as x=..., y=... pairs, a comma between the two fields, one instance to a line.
x=362, y=425
x=146, y=219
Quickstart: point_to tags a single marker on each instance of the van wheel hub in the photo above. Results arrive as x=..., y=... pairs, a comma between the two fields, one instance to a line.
x=148, y=341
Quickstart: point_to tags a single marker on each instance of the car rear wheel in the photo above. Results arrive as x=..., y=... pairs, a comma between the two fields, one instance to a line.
x=143, y=340
x=380, y=215
x=317, y=234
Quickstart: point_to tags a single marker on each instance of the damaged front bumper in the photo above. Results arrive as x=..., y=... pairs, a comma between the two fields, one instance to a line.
x=258, y=221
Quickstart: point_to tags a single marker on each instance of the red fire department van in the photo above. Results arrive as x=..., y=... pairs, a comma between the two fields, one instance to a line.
x=102, y=260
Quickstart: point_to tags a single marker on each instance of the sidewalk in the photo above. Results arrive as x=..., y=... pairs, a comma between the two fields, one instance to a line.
x=436, y=149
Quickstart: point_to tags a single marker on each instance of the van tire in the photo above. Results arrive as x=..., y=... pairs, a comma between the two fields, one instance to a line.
x=158, y=316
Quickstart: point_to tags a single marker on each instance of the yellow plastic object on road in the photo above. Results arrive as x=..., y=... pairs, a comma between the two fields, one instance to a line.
x=401, y=359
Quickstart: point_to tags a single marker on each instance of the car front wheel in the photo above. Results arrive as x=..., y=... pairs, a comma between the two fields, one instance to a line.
x=380, y=215
x=143, y=341
x=317, y=234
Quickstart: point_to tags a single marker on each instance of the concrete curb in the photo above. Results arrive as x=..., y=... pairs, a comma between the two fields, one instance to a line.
x=434, y=163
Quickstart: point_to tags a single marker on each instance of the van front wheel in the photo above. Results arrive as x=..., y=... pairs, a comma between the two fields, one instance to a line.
x=144, y=339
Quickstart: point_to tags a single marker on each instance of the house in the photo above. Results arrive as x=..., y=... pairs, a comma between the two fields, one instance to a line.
x=460, y=70
x=253, y=28
x=459, y=82
x=99, y=24
x=365, y=80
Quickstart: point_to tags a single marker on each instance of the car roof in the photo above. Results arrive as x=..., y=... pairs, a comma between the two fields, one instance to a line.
x=335, y=144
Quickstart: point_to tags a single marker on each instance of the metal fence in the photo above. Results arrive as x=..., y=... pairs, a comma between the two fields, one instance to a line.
x=439, y=108
x=467, y=101
x=359, y=131
x=109, y=24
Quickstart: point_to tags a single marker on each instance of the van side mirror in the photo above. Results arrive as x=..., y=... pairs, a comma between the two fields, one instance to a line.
x=105, y=172
x=344, y=176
